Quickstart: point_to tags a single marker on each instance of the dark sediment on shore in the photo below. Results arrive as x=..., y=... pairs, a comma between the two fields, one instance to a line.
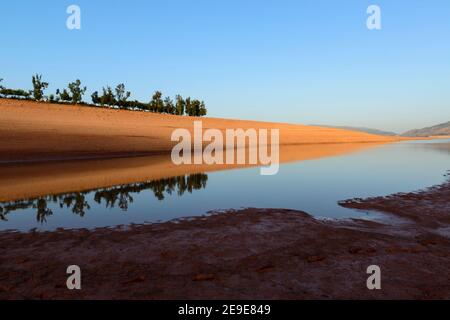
x=427, y=208
x=245, y=254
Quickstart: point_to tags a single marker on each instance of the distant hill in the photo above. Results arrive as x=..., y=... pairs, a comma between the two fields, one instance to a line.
x=438, y=130
x=361, y=129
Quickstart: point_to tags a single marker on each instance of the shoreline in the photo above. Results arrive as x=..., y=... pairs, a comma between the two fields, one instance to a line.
x=242, y=254
x=428, y=208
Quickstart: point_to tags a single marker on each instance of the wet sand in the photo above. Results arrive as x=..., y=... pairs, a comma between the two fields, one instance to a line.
x=428, y=208
x=32, y=131
x=246, y=254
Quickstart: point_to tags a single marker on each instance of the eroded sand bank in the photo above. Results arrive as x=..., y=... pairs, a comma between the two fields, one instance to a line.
x=32, y=131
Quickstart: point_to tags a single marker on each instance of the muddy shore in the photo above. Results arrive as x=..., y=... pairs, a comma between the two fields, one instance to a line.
x=246, y=254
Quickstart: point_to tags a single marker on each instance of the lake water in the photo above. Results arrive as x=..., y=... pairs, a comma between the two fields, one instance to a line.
x=314, y=186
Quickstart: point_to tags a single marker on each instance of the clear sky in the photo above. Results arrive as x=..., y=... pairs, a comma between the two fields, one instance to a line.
x=290, y=61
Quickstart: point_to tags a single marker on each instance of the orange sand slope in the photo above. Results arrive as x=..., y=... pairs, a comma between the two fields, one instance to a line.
x=40, y=131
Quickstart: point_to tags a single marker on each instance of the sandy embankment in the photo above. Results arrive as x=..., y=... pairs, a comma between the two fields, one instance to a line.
x=39, y=131
x=247, y=254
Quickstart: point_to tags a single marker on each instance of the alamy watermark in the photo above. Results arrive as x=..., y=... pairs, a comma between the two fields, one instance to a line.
x=231, y=149
x=73, y=21
x=235, y=148
x=74, y=280
x=373, y=22
x=374, y=280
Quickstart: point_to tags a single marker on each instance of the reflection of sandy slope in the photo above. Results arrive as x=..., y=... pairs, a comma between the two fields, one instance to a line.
x=440, y=147
x=33, y=180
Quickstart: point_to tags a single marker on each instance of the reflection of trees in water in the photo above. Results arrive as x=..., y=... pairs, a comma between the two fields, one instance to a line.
x=120, y=196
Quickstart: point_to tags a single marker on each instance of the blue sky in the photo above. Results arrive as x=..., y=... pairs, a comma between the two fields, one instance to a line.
x=288, y=61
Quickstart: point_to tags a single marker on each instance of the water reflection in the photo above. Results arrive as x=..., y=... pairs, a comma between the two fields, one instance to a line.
x=24, y=181
x=312, y=179
x=120, y=196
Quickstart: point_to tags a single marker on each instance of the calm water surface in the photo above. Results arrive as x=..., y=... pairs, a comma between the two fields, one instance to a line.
x=314, y=186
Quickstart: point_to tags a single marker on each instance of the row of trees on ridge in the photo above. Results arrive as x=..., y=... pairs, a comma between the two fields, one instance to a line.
x=118, y=97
